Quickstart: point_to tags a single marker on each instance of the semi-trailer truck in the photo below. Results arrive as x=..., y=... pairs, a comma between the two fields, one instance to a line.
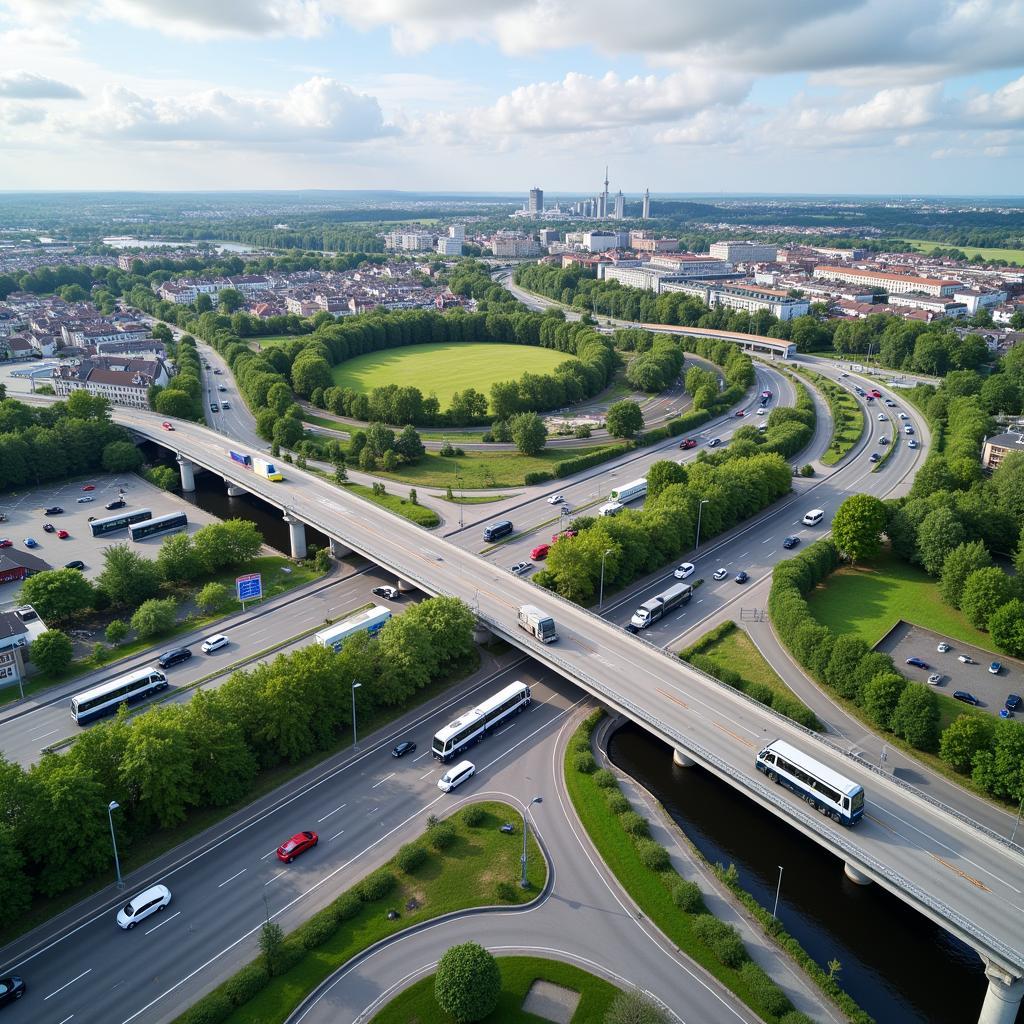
x=538, y=623
x=369, y=621
x=650, y=611
x=257, y=465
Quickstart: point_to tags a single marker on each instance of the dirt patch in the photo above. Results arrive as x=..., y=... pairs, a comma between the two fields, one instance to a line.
x=552, y=1002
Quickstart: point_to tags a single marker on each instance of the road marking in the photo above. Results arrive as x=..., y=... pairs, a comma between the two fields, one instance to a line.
x=427, y=776
x=71, y=982
x=232, y=878
x=963, y=874
x=42, y=734
x=271, y=854
x=381, y=783
x=767, y=540
x=275, y=878
x=729, y=732
x=329, y=813
x=424, y=754
x=66, y=1019
x=163, y=922
x=336, y=834
x=377, y=808
x=672, y=697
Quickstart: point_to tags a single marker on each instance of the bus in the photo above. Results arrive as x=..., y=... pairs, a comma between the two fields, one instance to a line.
x=169, y=523
x=100, y=527
x=474, y=725
x=370, y=621
x=824, y=789
x=629, y=492
x=108, y=697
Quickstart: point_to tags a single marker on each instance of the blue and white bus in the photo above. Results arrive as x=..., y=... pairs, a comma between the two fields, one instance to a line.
x=106, y=698
x=474, y=725
x=170, y=523
x=824, y=789
x=121, y=521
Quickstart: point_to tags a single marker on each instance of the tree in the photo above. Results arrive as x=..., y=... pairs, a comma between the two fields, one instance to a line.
x=116, y=631
x=663, y=474
x=528, y=432
x=58, y=594
x=857, y=526
x=158, y=764
x=309, y=372
x=379, y=439
x=154, y=617
x=880, y=696
x=272, y=946
x=963, y=738
x=51, y=651
x=633, y=1007
x=916, y=716
x=1006, y=627
x=340, y=472
x=231, y=543
x=212, y=596
x=175, y=403
x=121, y=457
x=177, y=559
x=624, y=419
x=467, y=984
x=957, y=568
x=984, y=591
x=287, y=431
x=228, y=300
x=127, y=579
x=1008, y=481
x=940, y=531
x=15, y=887
x=409, y=445
x=1000, y=770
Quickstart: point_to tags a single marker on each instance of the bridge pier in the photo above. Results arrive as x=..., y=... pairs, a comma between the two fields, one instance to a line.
x=296, y=535
x=234, y=491
x=1002, y=997
x=680, y=760
x=188, y=476
x=854, y=875
x=481, y=633
x=338, y=550
x=405, y=587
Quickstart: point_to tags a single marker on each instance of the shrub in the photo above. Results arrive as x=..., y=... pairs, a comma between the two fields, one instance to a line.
x=473, y=815
x=410, y=857
x=635, y=824
x=505, y=891
x=584, y=762
x=687, y=896
x=377, y=885
x=617, y=803
x=605, y=779
x=467, y=984
x=722, y=939
x=634, y=1007
x=347, y=906
x=807, y=470
x=247, y=983
x=537, y=477
x=760, y=692
x=212, y=1009
x=652, y=855
x=796, y=1017
x=441, y=835
x=317, y=930
x=764, y=990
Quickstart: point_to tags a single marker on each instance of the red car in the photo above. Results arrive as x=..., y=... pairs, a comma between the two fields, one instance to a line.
x=740, y=412
x=299, y=843
x=688, y=443
x=564, y=533
x=6, y=542
x=63, y=534
x=540, y=552
x=875, y=393
x=88, y=487
x=167, y=426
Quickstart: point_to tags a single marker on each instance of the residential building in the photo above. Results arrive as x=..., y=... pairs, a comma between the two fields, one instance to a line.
x=451, y=244
x=688, y=264
x=892, y=283
x=646, y=212
x=976, y=299
x=636, y=277
x=121, y=381
x=995, y=449
x=619, y=213
x=743, y=296
x=645, y=241
x=940, y=305
x=744, y=252
x=599, y=241
x=507, y=243
x=549, y=235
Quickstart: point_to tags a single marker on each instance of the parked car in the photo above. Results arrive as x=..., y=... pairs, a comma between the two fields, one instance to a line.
x=167, y=426
x=540, y=552
x=299, y=843
x=556, y=499
x=85, y=499
x=995, y=668
x=53, y=510
x=76, y=564
x=966, y=697
x=31, y=542
x=386, y=591
x=564, y=535
x=935, y=678
x=403, y=748
x=6, y=542
x=683, y=571
x=943, y=647
x=519, y=568
x=63, y=534
x=966, y=659
x=720, y=574
x=790, y=542
x=138, y=908
x=688, y=444
x=49, y=528
x=11, y=988
x=214, y=643
x=874, y=457
x=89, y=487
x=1013, y=702
x=741, y=577
x=118, y=503
x=174, y=657
x=714, y=442
x=918, y=663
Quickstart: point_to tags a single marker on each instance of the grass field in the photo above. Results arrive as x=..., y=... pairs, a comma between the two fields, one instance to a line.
x=970, y=251
x=277, y=339
x=737, y=651
x=417, y=1005
x=445, y=368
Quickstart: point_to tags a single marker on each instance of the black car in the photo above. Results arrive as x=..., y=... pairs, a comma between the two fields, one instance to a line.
x=53, y=510
x=1013, y=702
x=214, y=407
x=11, y=988
x=741, y=577
x=76, y=564
x=175, y=657
x=967, y=698
x=790, y=542
x=119, y=503
x=403, y=748
x=875, y=457
x=49, y=528
x=391, y=593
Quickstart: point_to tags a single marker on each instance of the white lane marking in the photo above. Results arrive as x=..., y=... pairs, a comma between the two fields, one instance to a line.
x=271, y=854
x=421, y=756
x=42, y=734
x=767, y=540
x=382, y=781
x=743, y=554
x=377, y=808
x=232, y=878
x=163, y=922
x=329, y=813
x=64, y=986
x=66, y=1019
x=275, y=878
x=336, y=834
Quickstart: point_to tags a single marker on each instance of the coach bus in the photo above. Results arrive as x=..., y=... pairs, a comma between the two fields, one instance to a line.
x=108, y=697
x=119, y=522
x=474, y=725
x=169, y=523
x=824, y=789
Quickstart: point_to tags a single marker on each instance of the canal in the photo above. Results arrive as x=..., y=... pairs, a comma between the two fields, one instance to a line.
x=896, y=964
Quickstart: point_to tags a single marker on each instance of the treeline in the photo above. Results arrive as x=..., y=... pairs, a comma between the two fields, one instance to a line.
x=183, y=395
x=657, y=364
x=176, y=759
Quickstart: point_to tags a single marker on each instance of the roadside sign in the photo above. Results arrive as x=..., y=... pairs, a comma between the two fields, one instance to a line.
x=249, y=588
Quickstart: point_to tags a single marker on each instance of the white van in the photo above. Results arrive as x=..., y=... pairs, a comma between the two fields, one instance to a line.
x=814, y=517
x=456, y=776
x=138, y=908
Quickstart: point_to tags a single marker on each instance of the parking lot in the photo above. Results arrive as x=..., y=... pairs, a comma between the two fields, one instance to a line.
x=25, y=519
x=906, y=641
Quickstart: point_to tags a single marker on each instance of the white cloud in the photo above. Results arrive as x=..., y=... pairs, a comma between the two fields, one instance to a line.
x=27, y=85
x=1003, y=107
x=16, y=114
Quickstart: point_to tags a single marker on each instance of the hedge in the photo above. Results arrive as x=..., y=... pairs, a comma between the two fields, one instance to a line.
x=567, y=467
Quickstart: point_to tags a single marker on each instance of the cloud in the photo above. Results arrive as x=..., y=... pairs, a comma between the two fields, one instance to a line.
x=205, y=19
x=320, y=109
x=16, y=114
x=1001, y=108
x=27, y=85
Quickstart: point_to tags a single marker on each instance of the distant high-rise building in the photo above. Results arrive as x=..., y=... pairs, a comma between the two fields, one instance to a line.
x=535, y=204
x=620, y=206
x=451, y=244
x=645, y=215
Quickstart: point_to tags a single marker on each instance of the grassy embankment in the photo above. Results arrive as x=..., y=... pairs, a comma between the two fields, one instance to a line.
x=847, y=417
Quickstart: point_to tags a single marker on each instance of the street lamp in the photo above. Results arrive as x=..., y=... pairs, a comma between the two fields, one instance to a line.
x=600, y=602
x=700, y=509
x=778, y=888
x=355, y=738
x=1020, y=807
x=523, y=883
x=111, y=807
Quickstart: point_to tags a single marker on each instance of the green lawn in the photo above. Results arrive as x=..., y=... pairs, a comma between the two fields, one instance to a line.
x=416, y=1005
x=845, y=436
x=472, y=499
x=417, y=514
x=926, y=245
x=868, y=601
x=275, y=339
x=445, y=368
x=737, y=651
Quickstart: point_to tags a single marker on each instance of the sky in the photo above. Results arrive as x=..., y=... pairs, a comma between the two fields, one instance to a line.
x=799, y=96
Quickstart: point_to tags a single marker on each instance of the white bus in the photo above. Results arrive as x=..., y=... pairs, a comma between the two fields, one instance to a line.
x=108, y=697
x=629, y=492
x=370, y=621
x=824, y=789
x=471, y=727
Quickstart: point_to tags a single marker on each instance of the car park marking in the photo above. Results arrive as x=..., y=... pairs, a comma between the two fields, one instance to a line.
x=163, y=922
x=232, y=878
x=275, y=878
x=336, y=834
x=382, y=781
x=271, y=854
x=329, y=813
x=64, y=986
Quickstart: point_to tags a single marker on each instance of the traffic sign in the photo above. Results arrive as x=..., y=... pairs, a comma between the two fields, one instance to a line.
x=249, y=588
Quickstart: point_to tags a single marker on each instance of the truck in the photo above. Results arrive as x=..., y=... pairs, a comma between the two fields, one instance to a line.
x=537, y=623
x=267, y=469
x=661, y=604
x=629, y=492
x=242, y=460
x=369, y=621
x=610, y=508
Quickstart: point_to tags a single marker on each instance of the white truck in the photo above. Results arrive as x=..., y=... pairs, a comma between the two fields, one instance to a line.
x=610, y=508
x=267, y=469
x=538, y=623
x=369, y=621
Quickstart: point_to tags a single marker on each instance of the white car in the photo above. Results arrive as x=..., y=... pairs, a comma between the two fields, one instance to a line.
x=881, y=416
x=684, y=571
x=520, y=567
x=911, y=443
x=214, y=643
x=85, y=499
x=720, y=574
x=138, y=908
x=761, y=411
x=556, y=499
x=935, y=678
x=943, y=647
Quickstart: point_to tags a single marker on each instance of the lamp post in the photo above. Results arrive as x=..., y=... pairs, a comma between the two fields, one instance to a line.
x=700, y=509
x=778, y=889
x=523, y=883
x=1020, y=807
x=111, y=807
x=462, y=495
x=355, y=738
x=600, y=601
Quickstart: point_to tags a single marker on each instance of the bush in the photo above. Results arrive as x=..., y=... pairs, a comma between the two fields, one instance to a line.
x=569, y=467
x=51, y=651
x=796, y=1017
x=377, y=885
x=213, y=595
x=473, y=815
x=247, y=983
x=410, y=857
x=505, y=891
x=807, y=470
x=687, y=896
x=347, y=906
x=764, y=990
x=584, y=762
x=635, y=824
x=317, y=931
x=154, y=617
x=605, y=779
x=633, y=1007
x=467, y=984
x=617, y=803
x=539, y=476
x=441, y=835
x=652, y=855
x=212, y=1009
x=116, y=631
x=722, y=939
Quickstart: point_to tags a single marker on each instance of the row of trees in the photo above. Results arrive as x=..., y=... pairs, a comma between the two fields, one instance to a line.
x=174, y=759
x=183, y=396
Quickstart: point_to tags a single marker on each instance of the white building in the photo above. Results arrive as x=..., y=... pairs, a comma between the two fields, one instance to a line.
x=451, y=244
x=748, y=297
x=599, y=241
x=510, y=244
x=120, y=381
x=688, y=264
x=744, y=252
x=892, y=283
x=976, y=298
x=941, y=305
